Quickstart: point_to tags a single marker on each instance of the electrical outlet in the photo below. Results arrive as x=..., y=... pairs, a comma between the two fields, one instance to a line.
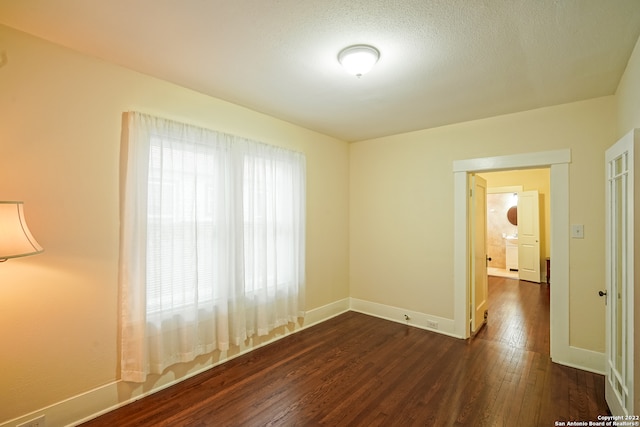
x=431, y=324
x=36, y=422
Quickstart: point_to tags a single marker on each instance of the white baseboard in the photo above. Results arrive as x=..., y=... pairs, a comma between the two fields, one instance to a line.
x=326, y=312
x=396, y=314
x=103, y=399
x=586, y=360
x=106, y=398
x=579, y=358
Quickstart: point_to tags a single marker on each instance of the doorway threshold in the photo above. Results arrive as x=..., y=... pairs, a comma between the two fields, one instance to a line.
x=501, y=272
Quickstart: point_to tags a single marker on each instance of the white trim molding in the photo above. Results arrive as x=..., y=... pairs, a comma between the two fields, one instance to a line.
x=93, y=403
x=587, y=360
x=513, y=161
x=558, y=161
x=397, y=314
x=499, y=190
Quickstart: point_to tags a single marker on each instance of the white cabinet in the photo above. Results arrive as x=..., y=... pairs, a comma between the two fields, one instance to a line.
x=512, y=254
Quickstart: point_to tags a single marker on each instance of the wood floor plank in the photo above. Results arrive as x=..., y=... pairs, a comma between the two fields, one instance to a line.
x=358, y=370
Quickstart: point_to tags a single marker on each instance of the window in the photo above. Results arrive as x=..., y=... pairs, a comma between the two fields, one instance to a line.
x=212, y=242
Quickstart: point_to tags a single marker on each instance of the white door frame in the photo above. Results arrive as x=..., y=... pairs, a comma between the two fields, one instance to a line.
x=558, y=161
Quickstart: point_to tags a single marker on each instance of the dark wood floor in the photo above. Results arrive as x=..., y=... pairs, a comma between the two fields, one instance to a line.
x=357, y=370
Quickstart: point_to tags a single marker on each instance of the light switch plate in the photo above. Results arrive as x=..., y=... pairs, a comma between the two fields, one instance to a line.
x=577, y=231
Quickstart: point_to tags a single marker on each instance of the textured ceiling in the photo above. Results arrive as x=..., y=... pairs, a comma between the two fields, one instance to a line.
x=442, y=61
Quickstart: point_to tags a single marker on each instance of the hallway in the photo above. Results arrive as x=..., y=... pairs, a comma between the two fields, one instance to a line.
x=519, y=320
x=518, y=314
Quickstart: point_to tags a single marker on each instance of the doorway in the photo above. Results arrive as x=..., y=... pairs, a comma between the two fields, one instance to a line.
x=558, y=161
x=505, y=233
x=502, y=229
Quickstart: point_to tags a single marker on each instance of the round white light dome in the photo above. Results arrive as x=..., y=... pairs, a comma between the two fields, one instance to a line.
x=358, y=59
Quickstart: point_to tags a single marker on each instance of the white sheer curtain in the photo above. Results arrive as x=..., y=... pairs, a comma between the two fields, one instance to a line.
x=212, y=242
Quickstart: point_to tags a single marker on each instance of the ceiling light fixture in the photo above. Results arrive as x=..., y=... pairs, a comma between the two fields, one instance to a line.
x=358, y=59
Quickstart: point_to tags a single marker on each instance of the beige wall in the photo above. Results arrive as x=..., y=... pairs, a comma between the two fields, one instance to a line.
x=628, y=95
x=60, y=115
x=401, y=227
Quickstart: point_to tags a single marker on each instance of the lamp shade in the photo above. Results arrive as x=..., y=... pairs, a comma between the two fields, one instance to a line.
x=15, y=238
x=358, y=59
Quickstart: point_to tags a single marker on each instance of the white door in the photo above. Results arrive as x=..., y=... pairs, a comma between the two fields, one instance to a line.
x=619, y=374
x=529, y=236
x=478, y=232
